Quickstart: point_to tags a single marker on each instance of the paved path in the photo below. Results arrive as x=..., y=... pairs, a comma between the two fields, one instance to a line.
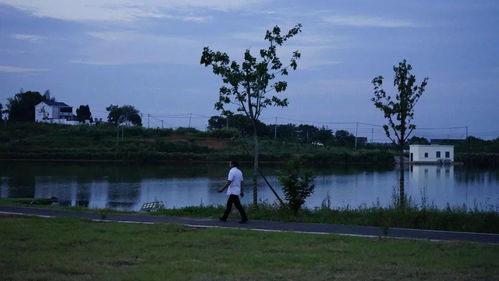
x=351, y=230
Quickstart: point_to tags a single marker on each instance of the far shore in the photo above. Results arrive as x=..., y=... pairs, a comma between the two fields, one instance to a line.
x=75, y=160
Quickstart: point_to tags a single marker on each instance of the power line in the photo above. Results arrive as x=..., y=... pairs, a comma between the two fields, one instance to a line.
x=360, y=127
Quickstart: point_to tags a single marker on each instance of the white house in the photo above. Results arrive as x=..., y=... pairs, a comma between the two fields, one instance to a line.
x=422, y=153
x=54, y=112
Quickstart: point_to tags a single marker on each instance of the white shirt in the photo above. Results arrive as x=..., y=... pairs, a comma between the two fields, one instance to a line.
x=236, y=177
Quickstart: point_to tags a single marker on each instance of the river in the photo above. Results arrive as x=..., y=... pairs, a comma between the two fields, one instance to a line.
x=128, y=186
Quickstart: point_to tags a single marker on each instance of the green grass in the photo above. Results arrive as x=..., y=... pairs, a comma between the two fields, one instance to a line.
x=71, y=249
x=449, y=219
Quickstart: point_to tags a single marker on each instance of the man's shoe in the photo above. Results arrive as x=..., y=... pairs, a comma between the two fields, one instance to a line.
x=222, y=219
x=243, y=221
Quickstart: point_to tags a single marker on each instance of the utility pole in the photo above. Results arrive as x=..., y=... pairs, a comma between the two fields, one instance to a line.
x=275, y=128
x=372, y=135
x=117, y=134
x=148, y=115
x=162, y=124
x=190, y=117
x=356, y=131
x=467, y=141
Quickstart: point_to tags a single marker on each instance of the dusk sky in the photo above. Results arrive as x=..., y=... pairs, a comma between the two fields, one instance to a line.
x=146, y=54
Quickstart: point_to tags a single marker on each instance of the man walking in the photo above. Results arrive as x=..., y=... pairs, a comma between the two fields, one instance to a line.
x=235, y=188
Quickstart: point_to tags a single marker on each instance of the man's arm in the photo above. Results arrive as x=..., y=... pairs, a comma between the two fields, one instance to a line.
x=225, y=186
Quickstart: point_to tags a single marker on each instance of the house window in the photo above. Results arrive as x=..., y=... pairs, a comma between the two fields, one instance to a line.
x=426, y=155
x=438, y=154
x=447, y=154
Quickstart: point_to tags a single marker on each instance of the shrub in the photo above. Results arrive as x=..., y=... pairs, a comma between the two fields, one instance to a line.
x=225, y=133
x=187, y=131
x=296, y=185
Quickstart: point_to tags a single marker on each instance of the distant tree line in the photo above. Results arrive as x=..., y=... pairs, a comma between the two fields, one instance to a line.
x=302, y=133
x=470, y=144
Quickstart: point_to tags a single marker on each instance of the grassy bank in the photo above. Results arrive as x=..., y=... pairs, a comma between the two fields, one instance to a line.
x=455, y=219
x=451, y=219
x=86, y=250
x=51, y=141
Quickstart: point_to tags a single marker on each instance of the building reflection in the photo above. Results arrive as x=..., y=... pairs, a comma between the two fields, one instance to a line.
x=424, y=174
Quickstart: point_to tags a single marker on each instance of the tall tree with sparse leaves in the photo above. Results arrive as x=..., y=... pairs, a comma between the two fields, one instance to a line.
x=249, y=85
x=399, y=110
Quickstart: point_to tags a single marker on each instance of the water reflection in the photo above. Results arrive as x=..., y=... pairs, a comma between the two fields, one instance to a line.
x=454, y=186
x=127, y=187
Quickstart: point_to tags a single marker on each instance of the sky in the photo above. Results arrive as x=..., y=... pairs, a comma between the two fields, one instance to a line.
x=147, y=53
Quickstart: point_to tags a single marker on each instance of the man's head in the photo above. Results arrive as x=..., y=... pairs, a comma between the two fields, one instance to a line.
x=233, y=163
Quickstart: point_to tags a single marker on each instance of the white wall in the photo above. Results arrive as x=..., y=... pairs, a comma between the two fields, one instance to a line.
x=56, y=112
x=43, y=112
x=418, y=152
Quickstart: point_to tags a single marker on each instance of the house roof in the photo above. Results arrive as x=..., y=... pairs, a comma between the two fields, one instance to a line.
x=432, y=145
x=56, y=103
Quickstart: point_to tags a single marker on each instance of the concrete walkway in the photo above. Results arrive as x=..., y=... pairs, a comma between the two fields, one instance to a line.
x=313, y=228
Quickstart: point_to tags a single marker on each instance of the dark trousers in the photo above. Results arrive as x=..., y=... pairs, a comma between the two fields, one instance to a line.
x=234, y=199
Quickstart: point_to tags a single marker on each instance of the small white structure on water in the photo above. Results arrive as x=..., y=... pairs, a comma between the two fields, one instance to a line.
x=425, y=153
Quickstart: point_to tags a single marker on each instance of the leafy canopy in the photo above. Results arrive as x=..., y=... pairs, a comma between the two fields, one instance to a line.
x=296, y=185
x=399, y=111
x=126, y=114
x=248, y=83
x=83, y=113
x=22, y=106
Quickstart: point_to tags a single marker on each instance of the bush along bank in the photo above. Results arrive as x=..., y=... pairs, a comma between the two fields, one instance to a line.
x=479, y=159
x=448, y=219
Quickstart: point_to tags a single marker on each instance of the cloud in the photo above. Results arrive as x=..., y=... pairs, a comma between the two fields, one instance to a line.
x=124, y=10
x=15, y=69
x=367, y=21
x=27, y=37
x=124, y=48
x=133, y=47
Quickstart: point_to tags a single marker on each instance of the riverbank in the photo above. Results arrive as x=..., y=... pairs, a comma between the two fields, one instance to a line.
x=52, y=142
x=450, y=219
x=87, y=250
x=454, y=219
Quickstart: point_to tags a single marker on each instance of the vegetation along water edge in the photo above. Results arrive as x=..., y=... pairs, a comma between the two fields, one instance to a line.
x=411, y=216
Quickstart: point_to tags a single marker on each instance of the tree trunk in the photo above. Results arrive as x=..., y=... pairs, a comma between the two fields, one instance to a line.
x=255, y=168
x=401, y=177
